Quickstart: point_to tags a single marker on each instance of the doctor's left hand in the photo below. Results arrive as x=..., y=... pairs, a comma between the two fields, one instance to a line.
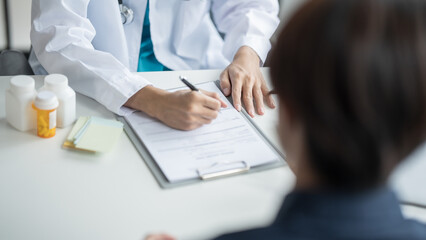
x=243, y=79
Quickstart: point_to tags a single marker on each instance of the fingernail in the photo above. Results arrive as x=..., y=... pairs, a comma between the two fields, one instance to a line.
x=226, y=91
x=273, y=104
x=238, y=107
x=262, y=110
x=251, y=113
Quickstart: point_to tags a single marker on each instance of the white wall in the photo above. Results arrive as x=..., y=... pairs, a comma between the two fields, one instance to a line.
x=20, y=23
x=2, y=28
x=288, y=7
x=20, y=18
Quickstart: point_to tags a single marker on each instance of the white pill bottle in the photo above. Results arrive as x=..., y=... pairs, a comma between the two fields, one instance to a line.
x=58, y=84
x=19, y=99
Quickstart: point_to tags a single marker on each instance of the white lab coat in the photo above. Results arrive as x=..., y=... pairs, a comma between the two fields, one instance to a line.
x=86, y=41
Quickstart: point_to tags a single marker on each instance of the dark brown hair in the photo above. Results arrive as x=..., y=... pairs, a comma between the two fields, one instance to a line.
x=353, y=72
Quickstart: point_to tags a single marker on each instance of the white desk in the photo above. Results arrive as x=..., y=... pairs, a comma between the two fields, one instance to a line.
x=51, y=193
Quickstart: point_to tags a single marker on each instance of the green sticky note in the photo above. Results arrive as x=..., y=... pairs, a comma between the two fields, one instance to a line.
x=100, y=135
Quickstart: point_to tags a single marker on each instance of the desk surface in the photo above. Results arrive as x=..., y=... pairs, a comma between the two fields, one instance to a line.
x=51, y=193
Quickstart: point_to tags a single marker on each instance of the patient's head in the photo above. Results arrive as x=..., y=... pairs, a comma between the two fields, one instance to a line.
x=351, y=78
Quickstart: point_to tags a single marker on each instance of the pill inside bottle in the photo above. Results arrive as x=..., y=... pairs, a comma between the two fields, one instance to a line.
x=46, y=104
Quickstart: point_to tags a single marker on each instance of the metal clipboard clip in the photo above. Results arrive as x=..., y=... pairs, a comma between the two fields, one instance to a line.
x=222, y=169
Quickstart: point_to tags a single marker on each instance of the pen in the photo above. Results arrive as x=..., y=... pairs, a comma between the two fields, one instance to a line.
x=188, y=84
x=192, y=87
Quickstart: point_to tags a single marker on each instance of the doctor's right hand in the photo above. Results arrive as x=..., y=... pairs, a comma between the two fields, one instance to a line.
x=184, y=110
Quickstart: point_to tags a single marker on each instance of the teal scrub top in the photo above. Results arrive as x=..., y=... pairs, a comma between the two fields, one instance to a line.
x=147, y=60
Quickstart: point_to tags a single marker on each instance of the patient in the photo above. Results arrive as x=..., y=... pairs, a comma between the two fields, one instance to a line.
x=351, y=79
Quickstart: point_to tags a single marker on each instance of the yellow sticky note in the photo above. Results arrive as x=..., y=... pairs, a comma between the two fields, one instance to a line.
x=77, y=126
x=100, y=135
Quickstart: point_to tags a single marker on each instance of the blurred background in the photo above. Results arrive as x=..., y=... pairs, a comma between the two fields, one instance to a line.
x=15, y=17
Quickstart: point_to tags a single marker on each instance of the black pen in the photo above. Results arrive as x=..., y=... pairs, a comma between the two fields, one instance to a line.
x=192, y=87
x=188, y=84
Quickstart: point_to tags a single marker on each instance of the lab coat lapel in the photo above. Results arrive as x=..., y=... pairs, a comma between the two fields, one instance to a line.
x=188, y=41
x=105, y=17
x=133, y=31
x=163, y=16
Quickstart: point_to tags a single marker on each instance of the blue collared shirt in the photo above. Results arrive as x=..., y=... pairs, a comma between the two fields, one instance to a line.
x=373, y=214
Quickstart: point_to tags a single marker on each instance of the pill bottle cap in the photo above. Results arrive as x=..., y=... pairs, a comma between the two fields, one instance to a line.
x=56, y=82
x=46, y=100
x=22, y=84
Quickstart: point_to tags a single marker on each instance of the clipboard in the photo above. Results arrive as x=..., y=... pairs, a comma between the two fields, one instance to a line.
x=204, y=174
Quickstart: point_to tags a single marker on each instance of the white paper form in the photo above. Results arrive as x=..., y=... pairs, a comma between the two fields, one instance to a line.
x=179, y=154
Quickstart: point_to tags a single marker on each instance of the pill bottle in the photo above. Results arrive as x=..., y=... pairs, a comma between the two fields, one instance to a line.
x=45, y=105
x=19, y=99
x=58, y=84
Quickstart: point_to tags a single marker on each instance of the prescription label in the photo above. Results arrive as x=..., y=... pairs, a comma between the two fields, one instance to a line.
x=52, y=119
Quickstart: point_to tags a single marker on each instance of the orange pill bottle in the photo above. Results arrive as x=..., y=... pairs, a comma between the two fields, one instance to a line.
x=46, y=104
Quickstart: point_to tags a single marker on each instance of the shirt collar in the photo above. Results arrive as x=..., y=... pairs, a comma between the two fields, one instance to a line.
x=379, y=203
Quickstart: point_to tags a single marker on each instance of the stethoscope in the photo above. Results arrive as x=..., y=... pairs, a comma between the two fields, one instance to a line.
x=126, y=13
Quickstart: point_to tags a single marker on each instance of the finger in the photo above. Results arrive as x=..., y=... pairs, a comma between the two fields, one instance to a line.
x=196, y=121
x=258, y=99
x=184, y=91
x=236, y=92
x=207, y=114
x=193, y=126
x=204, y=121
x=215, y=96
x=191, y=122
x=268, y=97
x=199, y=113
x=201, y=106
x=225, y=82
x=270, y=101
x=159, y=237
x=248, y=98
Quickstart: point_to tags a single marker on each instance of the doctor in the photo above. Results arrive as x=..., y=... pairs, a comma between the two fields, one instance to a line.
x=99, y=43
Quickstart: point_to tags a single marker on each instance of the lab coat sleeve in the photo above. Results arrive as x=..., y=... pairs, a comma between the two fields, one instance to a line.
x=246, y=23
x=61, y=37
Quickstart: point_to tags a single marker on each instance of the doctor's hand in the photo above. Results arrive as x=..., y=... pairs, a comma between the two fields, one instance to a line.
x=159, y=237
x=184, y=110
x=243, y=79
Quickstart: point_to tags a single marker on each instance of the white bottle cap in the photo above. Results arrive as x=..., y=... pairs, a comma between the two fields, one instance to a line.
x=46, y=100
x=56, y=82
x=22, y=84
